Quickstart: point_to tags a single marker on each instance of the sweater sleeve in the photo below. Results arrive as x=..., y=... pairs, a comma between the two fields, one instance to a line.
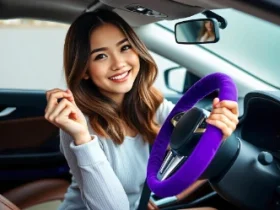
x=100, y=189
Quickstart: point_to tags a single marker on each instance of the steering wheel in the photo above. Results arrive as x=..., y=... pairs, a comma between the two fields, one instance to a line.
x=207, y=146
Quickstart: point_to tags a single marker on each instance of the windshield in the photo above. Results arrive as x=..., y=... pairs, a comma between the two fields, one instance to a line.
x=247, y=42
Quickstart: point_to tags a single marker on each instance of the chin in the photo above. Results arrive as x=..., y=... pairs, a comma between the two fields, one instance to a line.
x=126, y=90
x=126, y=87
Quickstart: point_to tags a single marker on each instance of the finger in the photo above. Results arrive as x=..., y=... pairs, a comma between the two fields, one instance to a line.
x=71, y=97
x=150, y=207
x=232, y=105
x=222, y=126
x=53, y=92
x=223, y=119
x=61, y=105
x=215, y=102
x=49, y=92
x=53, y=100
x=61, y=119
x=55, y=95
x=153, y=205
x=231, y=116
x=58, y=95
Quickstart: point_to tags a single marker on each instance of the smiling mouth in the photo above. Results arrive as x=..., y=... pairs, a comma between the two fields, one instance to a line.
x=120, y=77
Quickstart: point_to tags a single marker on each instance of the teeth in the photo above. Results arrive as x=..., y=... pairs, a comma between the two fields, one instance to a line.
x=119, y=76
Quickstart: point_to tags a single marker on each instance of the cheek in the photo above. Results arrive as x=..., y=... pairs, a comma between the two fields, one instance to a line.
x=133, y=59
x=96, y=71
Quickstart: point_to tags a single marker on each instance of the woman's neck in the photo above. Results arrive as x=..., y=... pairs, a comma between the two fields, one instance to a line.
x=210, y=33
x=117, y=98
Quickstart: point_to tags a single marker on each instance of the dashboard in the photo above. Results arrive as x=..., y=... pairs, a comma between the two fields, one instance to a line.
x=259, y=119
x=260, y=125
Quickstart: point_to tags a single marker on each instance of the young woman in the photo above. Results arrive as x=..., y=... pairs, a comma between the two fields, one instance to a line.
x=207, y=33
x=112, y=113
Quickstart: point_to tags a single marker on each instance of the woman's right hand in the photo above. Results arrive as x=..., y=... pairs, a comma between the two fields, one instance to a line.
x=63, y=112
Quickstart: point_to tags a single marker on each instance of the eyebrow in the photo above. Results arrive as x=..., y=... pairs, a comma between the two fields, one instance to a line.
x=106, y=48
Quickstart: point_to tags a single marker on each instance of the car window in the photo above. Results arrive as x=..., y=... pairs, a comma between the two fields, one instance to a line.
x=249, y=43
x=164, y=64
x=31, y=54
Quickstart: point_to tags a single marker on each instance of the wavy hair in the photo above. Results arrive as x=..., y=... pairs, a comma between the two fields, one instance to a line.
x=203, y=30
x=105, y=116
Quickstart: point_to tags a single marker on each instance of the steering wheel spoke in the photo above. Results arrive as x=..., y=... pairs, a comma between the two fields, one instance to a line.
x=170, y=164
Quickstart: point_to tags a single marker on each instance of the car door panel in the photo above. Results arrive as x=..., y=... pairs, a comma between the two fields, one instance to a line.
x=29, y=146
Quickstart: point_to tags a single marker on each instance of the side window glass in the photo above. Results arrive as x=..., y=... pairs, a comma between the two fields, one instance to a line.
x=31, y=54
x=176, y=76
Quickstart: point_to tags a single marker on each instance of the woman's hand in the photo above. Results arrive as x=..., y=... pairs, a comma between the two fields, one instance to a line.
x=224, y=116
x=152, y=206
x=63, y=112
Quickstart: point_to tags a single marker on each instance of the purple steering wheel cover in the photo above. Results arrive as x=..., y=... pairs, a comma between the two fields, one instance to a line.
x=205, y=150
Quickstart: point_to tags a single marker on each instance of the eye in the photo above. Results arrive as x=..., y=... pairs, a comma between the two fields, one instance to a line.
x=126, y=47
x=100, y=56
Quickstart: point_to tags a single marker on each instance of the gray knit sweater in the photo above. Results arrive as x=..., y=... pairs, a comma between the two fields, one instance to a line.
x=107, y=176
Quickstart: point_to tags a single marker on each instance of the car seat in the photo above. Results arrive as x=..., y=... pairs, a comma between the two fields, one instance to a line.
x=34, y=193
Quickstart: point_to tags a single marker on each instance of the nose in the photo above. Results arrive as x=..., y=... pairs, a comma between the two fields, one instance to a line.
x=118, y=61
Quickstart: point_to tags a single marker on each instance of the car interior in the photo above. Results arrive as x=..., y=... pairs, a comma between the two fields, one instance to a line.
x=34, y=173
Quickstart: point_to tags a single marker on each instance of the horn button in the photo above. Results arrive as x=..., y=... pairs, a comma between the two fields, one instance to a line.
x=188, y=128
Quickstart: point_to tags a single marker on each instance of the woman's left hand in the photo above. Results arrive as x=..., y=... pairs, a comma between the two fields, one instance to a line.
x=224, y=116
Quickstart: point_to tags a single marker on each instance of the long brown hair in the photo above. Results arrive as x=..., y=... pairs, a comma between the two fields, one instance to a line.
x=140, y=103
x=203, y=29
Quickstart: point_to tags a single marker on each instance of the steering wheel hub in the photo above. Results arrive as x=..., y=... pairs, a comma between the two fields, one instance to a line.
x=190, y=126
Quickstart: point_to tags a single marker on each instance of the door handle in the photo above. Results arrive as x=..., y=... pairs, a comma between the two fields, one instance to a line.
x=7, y=111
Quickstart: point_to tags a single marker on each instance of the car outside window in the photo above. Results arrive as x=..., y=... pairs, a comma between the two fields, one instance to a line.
x=164, y=64
x=31, y=54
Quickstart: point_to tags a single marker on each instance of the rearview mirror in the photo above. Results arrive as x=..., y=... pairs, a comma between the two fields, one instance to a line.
x=200, y=31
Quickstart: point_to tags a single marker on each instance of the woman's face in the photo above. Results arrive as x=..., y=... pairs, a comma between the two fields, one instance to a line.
x=208, y=25
x=113, y=64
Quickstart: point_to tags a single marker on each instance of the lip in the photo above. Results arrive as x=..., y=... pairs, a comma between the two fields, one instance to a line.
x=115, y=75
x=123, y=79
